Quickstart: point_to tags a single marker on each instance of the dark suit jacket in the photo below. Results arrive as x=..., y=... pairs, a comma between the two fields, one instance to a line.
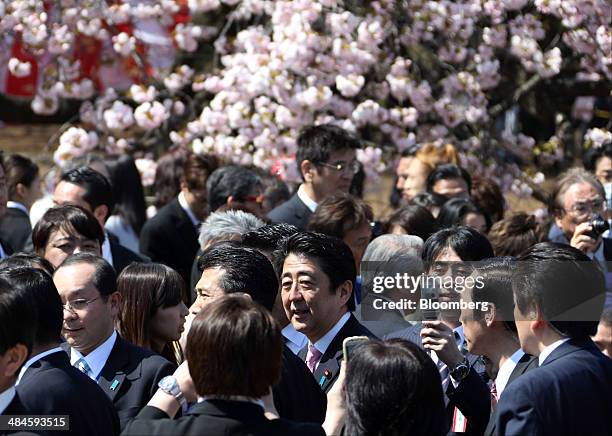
x=16, y=229
x=170, y=238
x=8, y=249
x=130, y=377
x=51, y=386
x=328, y=369
x=569, y=394
x=292, y=211
x=215, y=418
x=122, y=256
x=526, y=363
x=297, y=396
x=476, y=408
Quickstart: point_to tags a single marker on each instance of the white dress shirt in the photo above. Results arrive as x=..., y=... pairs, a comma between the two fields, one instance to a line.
x=17, y=205
x=183, y=202
x=35, y=359
x=503, y=375
x=2, y=252
x=309, y=202
x=107, y=254
x=295, y=340
x=97, y=358
x=6, y=397
x=323, y=344
x=552, y=347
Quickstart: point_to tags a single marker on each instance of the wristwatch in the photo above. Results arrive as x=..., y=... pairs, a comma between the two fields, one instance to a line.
x=170, y=385
x=460, y=370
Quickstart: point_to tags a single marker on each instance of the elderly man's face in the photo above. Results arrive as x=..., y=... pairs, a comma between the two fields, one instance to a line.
x=311, y=305
x=580, y=202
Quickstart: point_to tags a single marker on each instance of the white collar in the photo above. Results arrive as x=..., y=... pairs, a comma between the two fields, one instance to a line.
x=185, y=206
x=17, y=205
x=503, y=375
x=309, y=202
x=296, y=340
x=107, y=254
x=35, y=359
x=5, y=398
x=257, y=401
x=323, y=344
x=2, y=252
x=548, y=350
x=97, y=358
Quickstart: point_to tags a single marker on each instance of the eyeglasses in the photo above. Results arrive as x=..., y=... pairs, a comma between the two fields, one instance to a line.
x=352, y=166
x=255, y=198
x=585, y=208
x=78, y=305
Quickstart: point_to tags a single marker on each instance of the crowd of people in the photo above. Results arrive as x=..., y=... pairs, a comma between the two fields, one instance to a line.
x=223, y=308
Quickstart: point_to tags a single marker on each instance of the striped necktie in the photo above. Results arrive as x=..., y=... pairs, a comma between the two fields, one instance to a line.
x=82, y=366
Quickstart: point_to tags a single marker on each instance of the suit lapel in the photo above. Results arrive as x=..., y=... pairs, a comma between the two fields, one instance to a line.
x=113, y=372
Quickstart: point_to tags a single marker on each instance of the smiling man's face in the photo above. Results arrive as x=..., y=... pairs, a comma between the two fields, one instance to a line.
x=310, y=303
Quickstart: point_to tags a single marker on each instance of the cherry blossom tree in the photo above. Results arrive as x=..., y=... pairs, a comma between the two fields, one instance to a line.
x=509, y=82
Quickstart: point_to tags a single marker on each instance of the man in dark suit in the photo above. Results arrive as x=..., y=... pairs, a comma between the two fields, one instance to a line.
x=230, y=268
x=326, y=161
x=317, y=278
x=236, y=401
x=89, y=189
x=5, y=248
x=47, y=384
x=17, y=329
x=171, y=236
x=23, y=191
x=571, y=391
x=127, y=374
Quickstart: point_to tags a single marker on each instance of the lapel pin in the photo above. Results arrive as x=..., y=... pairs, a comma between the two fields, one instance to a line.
x=114, y=385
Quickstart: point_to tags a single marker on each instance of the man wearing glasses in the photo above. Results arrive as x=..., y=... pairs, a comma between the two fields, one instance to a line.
x=127, y=374
x=326, y=158
x=577, y=198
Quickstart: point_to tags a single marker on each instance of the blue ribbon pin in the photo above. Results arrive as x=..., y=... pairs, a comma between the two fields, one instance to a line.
x=114, y=385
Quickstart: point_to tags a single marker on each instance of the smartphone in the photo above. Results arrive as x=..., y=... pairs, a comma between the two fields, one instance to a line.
x=350, y=344
x=431, y=294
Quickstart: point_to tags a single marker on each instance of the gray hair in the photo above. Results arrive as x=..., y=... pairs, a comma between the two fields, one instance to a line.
x=225, y=226
x=391, y=254
x=566, y=180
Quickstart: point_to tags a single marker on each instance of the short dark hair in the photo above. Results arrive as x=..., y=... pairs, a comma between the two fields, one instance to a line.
x=97, y=189
x=593, y=154
x=468, y=243
x=447, y=172
x=69, y=218
x=45, y=298
x=487, y=195
x=19, y=169
x=316, y=143
x=19, y=316
x=340, y=213
x=496, y=275
x=414, y=219
x=234, y=348
x=550, y=275
x=104, y=278
x=454, y=211
x=198, y=168
x=331, y=254
x=230, y=181
x=268, y=237
x=245, y=270
x=393, y=388
x=515, y=234
x=27, y=260
x=428, y=200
